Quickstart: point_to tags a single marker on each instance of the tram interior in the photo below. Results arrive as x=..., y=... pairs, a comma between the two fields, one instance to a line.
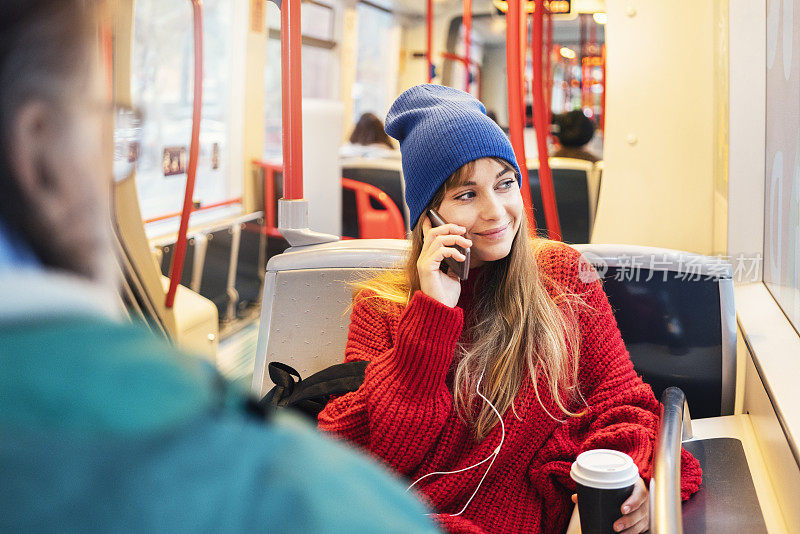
x=688, y=180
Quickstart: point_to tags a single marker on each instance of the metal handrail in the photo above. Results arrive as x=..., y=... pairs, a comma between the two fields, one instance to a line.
x=665, y=485
x=176, y=269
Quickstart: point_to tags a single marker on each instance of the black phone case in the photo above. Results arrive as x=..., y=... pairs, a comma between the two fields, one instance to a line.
x=460, y=269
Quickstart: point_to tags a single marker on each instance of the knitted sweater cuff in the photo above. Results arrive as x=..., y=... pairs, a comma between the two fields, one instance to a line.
x=426, y=339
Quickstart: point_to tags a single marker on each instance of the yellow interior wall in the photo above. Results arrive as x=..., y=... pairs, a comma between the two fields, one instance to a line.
x=658, y=186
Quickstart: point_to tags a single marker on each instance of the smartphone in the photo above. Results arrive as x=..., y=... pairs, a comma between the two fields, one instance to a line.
x=459, y=268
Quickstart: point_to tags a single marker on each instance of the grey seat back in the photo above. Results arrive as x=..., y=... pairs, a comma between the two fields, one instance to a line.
x=676, y=315
x=674, y=309
x=306, y=303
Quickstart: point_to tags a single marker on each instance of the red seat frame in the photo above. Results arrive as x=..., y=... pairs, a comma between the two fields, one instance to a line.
x=375, y=223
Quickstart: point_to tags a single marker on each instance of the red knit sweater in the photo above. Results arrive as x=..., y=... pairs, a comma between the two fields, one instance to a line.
x=404, y=412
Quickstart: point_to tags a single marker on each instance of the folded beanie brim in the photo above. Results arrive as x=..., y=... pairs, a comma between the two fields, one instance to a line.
x=441, y=129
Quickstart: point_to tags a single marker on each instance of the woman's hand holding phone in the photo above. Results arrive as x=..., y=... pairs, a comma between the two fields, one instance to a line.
x=437, y=245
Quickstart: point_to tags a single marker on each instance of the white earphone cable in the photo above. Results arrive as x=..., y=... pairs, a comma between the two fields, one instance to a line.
x=492, y=456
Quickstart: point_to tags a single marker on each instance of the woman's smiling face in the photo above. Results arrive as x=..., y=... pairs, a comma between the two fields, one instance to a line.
x=488, y=204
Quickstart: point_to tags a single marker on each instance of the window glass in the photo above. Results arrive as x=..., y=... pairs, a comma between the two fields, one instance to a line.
x=316, y=20
x=782, y=195
x=320, y=70
x=371, y=92
x=163, y=87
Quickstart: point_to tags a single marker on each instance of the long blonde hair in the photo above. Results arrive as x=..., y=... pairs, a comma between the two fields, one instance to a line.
x=517, y=330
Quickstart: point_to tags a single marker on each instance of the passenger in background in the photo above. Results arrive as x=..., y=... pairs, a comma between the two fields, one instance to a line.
x=103, y=427
x=482, y=392
x=574, y=131
x=369, y=140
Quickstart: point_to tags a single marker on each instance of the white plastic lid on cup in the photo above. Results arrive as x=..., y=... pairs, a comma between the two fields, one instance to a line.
x=604, y=469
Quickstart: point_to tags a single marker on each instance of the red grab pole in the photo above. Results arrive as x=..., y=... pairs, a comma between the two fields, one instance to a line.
x=292, y=99
x=467, y=19
x=516, y=90
x=176, y=269
x=542, y=126
x=548, y=66
x=429, y=39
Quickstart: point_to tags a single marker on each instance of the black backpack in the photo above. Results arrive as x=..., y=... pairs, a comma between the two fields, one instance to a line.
x=310, y=396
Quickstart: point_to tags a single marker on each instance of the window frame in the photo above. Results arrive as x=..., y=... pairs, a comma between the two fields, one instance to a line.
x=769, y=336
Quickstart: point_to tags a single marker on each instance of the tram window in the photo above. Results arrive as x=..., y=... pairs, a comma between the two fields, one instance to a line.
x=782, y=193
x=317, y=20
x=376, y=76
x=320, y=64
x=162, y=85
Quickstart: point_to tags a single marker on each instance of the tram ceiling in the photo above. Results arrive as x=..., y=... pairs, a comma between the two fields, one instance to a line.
x=418, y=7
x=492, y=30
x=489, y=24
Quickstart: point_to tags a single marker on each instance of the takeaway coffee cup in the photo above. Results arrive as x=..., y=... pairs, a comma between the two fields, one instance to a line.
x=605, y=480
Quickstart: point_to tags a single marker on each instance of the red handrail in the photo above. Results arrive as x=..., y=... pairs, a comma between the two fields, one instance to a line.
x=270, y=226
x=203, y=207
x=176, y=269
x=516, y=91
x=292, y=94
x=548, y=67
x=466, y=18
x=467, y=65
x=429, y=38
x=542, y=127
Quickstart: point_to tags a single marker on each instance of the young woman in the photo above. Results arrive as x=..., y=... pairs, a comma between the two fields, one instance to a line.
x=369, y=140
x=482, y=393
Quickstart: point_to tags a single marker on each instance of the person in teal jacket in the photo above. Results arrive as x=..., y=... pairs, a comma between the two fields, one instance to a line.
x=103, y=427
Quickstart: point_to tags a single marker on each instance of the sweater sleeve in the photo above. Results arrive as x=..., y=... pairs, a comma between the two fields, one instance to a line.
x=401, y=407
x=621, y=411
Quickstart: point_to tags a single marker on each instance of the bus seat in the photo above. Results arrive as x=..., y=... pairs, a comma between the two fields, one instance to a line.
x=306, y=302
x=576, y=197
x=385, y=174
x=195, y=256
x=676, y=315
x=221, y=259
x=255, y=248
x=678, y=330
x=252, y=261
x=373, y=221
x=595, y=181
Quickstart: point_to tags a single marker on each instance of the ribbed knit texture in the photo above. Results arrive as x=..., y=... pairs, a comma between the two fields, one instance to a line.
x=440, y=129
x=404, y=413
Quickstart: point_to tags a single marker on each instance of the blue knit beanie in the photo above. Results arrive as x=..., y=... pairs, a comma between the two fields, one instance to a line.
x=440, y=129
